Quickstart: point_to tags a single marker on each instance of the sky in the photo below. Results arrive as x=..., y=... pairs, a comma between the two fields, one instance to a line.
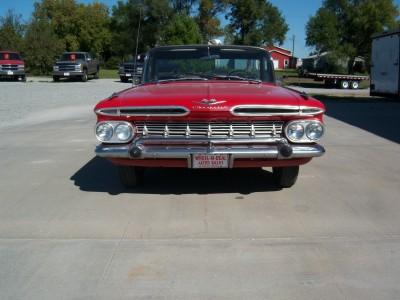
x=296, y=13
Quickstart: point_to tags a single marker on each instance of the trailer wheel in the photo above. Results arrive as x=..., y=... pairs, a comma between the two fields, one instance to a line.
x=355, y=85
x=344, y=84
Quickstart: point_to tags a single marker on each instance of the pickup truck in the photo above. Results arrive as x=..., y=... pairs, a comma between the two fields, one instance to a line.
x=205, y=107
x=132, y=69
x=76, y=65
x=12, y=66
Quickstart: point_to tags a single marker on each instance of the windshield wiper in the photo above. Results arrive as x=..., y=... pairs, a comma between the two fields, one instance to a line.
x=235, y=77
x=180, y=79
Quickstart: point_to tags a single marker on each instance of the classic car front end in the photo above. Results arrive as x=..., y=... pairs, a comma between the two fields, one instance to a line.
x=213, y=118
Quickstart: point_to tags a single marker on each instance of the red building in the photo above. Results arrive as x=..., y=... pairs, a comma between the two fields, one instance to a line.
x=281, y=57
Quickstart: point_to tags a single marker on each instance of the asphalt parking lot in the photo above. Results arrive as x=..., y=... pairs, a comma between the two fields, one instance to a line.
x=69, y=230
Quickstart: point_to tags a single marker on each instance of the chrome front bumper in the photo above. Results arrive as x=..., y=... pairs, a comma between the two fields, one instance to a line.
x=156, y=148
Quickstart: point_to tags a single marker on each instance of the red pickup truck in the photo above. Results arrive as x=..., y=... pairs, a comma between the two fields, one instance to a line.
x=205, y=106
x=11, y=65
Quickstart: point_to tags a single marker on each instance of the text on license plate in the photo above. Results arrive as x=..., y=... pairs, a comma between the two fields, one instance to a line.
x=66, y=74
x=10, y=72
x=210, y=161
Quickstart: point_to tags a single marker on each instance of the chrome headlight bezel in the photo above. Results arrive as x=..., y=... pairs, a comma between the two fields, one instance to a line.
x=56, y=68
x=305, y=136
x=115, y=125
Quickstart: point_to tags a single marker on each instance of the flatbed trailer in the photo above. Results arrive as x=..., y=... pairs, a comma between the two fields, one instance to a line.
x=343, y=81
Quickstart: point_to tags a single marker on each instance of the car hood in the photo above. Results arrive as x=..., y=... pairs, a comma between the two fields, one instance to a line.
x=191, y=95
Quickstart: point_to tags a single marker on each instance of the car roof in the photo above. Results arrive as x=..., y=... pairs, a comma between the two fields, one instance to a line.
x=227, y=47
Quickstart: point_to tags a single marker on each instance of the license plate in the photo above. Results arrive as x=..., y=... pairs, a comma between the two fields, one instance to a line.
x=66, y=74
x=128, y=74
x=210, y=161
x=10, y=73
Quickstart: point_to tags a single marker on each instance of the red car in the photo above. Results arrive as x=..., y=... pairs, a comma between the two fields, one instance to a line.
x=11, y=65
x=205, y=106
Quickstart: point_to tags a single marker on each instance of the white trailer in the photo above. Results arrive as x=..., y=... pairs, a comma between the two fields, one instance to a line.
x=385, y=64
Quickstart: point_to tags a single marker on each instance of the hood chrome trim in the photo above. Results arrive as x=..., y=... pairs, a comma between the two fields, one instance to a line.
x=147, y=111
x=275, y=110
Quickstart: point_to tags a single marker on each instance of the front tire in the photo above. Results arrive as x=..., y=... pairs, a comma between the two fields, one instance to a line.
x=123, y=79
x=84, y=77
x=286, y=177
x=56, y=78
x=131, y=177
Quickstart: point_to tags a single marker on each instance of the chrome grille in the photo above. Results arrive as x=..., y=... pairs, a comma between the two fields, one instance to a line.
x=9, y=67
x=66, y=67
x=130, y=68
x=257, y=129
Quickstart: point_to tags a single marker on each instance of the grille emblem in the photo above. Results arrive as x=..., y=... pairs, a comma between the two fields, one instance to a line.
x=209, y=102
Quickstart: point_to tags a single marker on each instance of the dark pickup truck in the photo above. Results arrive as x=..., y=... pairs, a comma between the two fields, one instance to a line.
x=76, y=65
x=11, y=65
x=132, y=69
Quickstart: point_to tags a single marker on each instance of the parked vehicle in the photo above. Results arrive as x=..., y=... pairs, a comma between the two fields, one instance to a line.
x=342, y=81
x=207, y=106
x=132, y=69
x=385, y=64
x=76, y=65
x=12, y=66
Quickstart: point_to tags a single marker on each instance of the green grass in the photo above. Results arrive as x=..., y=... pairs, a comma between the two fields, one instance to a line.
x=109, y=73
x=285, y=73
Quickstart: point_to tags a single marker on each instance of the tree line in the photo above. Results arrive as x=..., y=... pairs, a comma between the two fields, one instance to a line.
x=343, y=27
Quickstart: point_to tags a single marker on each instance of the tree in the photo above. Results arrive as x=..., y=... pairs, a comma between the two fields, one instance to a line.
x=255, y=22
x=344, y=27
x=78, y=26
x=94, y=33
x=207, y=20
x=181, y=30
x=11, y=31
x=154, y=16
x=183, y=6
x=41, y=46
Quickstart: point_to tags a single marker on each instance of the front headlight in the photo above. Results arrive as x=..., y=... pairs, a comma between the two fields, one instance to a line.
x=123, y=132
x=314, y=131
x=78, y=67
x=21, y=67
x=104, y=132
x=304, y=131
x=114, y=132
x=295, y=131
x=55, y=68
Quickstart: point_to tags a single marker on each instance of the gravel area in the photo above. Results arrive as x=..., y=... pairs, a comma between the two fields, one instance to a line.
x=40, y=100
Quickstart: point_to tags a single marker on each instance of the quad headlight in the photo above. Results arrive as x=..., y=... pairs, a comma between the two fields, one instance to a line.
x=114, y=132
x=304, y=131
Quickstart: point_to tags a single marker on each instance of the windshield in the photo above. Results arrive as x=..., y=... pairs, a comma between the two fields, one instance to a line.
x=10, y=56
x=208, y=63
x=73, y=56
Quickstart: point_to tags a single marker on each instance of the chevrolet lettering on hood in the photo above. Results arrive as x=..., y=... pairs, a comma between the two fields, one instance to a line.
x=211, y=104
x=205, y=107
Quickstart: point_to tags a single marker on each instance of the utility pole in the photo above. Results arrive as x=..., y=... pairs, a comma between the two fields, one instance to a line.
x=293, y=40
